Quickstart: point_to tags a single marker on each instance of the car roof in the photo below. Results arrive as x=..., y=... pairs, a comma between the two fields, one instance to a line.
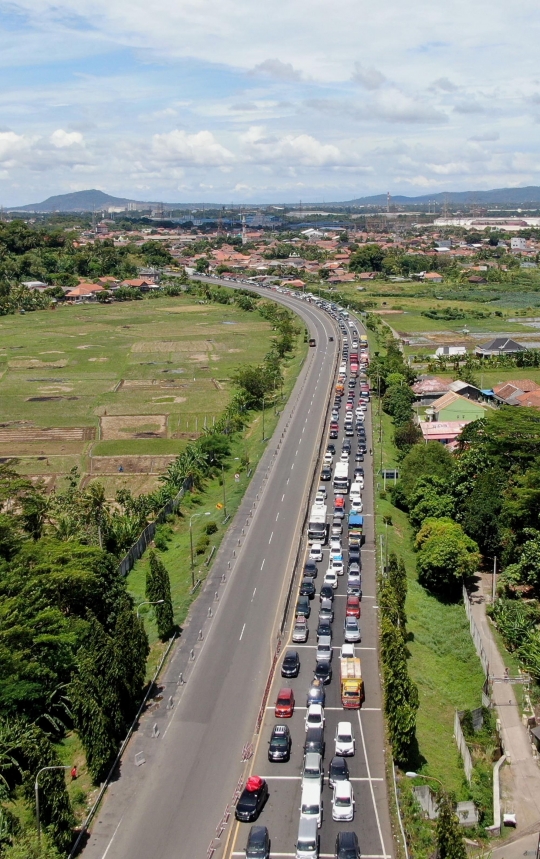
x=344, y=726
x=285, y=691
x=257, y=834
x=292, y=653
x=343, y=787
x=280, y=729
x=347, y=839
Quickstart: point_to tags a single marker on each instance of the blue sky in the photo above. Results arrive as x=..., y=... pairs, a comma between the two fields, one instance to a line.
x=194, y=100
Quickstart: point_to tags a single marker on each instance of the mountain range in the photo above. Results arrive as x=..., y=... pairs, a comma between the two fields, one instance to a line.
x=93, y=200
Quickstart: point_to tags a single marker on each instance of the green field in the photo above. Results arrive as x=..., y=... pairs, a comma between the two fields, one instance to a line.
x=141, y=379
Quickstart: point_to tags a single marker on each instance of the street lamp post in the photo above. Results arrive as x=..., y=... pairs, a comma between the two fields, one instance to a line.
x=36, y=790
x=148, y=602
x=191, y=518
x=421, y=775
x=263, y=436
x=224, y=498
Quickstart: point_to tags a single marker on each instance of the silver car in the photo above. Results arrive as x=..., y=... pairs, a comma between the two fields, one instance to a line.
x=351, y=629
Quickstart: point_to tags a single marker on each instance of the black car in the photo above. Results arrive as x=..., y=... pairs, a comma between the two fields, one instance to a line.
x=331, y=448
x=362, y=449
x=251, y=802
x=291, y=664
x=279, y=747
x=258, y=843
x=314, y=741
x=323, y=672
x=346, y=446
x=359, y=472
x=307, y=588
x=327, y=592
x=310, y=570
x=338, y=771
x=354, y=556
x=326, y=474
x=359, y=457
x=347, y=846
x=303, y=607
x=324, y=628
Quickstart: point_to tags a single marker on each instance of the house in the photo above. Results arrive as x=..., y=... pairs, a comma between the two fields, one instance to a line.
x=446, y=432
x=84, y=290
x=509, y=393
x=142, y=283
x=433, y=277
x=367, y=275
x=454, y=407
x=450, y=351
x=476, y=279
x=464, y=389
x=499, y=346
x=529, y=398
x=35, y=285
x=428, y=389
x=296, y=284
x=518, y=244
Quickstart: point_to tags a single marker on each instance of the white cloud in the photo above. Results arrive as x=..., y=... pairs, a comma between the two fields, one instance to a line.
x=276, y=69
x=61, y=138
x=444, y=84
x=485, y=137
x=11, y=144
x=394, y=105
x=201, y=149
x=294, y=150
x=370, y=78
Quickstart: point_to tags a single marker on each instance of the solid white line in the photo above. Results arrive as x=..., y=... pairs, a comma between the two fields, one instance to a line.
x=113, y=837
x=371, y=784
x=241, y=634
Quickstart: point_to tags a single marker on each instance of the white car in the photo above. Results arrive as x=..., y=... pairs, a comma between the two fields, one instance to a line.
x=345, y=744
x=314, y=716
x=356, y=490
x=335, y=545
x=343, y=801
x=359, y=413
x=351, y=629
x=319, y=499
x=315, y=552
x=347, y=651
x=328, y=458
x=331, y=578
x=356, y=505
x=344, y=456
x=336, y=564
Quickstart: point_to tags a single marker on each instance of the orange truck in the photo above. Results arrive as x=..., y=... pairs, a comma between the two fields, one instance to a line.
x=352, y=685
x=340, y=389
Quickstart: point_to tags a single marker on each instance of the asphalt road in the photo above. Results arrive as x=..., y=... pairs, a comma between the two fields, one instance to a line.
x=367, y=767
x=171, y=804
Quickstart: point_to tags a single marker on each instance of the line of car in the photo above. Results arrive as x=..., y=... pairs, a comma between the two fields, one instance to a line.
x=256, y=793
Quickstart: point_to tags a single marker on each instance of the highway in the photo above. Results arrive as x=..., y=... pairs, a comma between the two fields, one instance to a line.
x=190, y=745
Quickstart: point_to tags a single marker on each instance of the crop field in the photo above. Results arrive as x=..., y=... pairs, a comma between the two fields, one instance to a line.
x=118, y=390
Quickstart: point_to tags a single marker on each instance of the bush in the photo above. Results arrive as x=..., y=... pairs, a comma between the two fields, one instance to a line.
x=211, y=528
x=202, y=544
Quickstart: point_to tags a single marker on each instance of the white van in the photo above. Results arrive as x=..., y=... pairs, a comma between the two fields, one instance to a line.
x=355, y=492
x=307, y=843
x=311, y=805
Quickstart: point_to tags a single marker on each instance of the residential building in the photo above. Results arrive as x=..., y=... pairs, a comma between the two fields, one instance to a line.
x=453, y=407
x=428, y=389
x=510, y=393
x=464, y=389
x=446, y=432
x=499, y=346
x=433, y=277
x=450, y=351
x=518, y=244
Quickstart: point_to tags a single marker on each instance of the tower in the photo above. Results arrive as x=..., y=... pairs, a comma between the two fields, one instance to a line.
x=388, y=198
x=244, y=233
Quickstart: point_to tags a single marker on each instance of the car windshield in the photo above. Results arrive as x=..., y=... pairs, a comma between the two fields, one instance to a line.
x=280, y=742
x=283, y=702
x=310, y=809
x=343, y=801
x=247, y=800
x=344, y=738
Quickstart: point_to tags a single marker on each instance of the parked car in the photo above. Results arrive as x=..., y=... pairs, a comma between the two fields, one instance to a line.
x=347, y=846
x=303, y=607
x=316, y=693
x=326, y=474
x=324, y=627
x=307, y=588
x=252, y=799
x=323, y=672
x=351, y=629
x=338, y=771
x=314, y=717
x=314, y=741
x=290, y=666
x=284, y=707
x=279, y=745
x=313, y=767
x=326, y=611
x=315, y=552
x=324, y=649
x=343, y=801
x=300, y=631
x=331, y=578
x=352, y=607
x=310, y=570
x=326, y=592
x=344, y=740
x=258, y=843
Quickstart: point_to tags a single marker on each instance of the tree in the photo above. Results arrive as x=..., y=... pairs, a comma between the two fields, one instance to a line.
x=131, y=649
x=423, y=460
x=254, y=381
x=158, y=590
x=527, y=568
x=400, y=693
x=367, y=258
x=446, y=556
x=397, y=579
x=406, y=436
x=450, y=843
x=430, y=498
x=398, y=401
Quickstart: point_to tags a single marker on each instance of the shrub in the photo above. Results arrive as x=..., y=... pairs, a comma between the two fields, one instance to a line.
x=211, y=528
x=202, y=544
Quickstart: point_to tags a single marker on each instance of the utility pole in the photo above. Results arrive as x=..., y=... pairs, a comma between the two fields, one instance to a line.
x=494, y=579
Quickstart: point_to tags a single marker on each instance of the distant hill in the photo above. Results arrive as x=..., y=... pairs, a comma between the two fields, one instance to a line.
x=79, y=201
x=498, y=196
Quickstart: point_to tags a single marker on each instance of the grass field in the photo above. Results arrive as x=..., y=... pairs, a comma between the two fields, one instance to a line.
x=139, y=378
x=443, y=662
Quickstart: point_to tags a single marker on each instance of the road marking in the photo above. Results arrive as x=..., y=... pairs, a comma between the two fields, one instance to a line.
x=277, y=517
x=254, y=592
x=113, y=837
x=283, y=496
x=288, y=481
x=371, y=784
x=241, y=634
x=262, y=565
x=334, y=647
x=271, y=535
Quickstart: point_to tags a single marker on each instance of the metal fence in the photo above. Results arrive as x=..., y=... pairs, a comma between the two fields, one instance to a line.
x=463, y=748
x=475, y=634
x=138, y=548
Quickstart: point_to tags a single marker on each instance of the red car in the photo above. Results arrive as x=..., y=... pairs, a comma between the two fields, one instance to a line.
x=352, y=606
x=284, y=704
x=339, y=501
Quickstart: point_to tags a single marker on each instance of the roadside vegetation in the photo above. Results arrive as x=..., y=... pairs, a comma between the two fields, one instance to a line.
x=73, y=647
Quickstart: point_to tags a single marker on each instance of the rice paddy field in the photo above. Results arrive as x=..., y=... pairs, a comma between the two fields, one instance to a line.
x=118, y=390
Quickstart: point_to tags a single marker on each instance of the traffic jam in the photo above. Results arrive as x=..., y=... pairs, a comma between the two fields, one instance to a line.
x=314, y=790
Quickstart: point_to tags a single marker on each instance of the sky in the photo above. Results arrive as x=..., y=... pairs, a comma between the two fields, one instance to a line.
x=245, y=101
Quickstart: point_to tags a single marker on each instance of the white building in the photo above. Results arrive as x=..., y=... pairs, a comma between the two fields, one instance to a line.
x=518, y=244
